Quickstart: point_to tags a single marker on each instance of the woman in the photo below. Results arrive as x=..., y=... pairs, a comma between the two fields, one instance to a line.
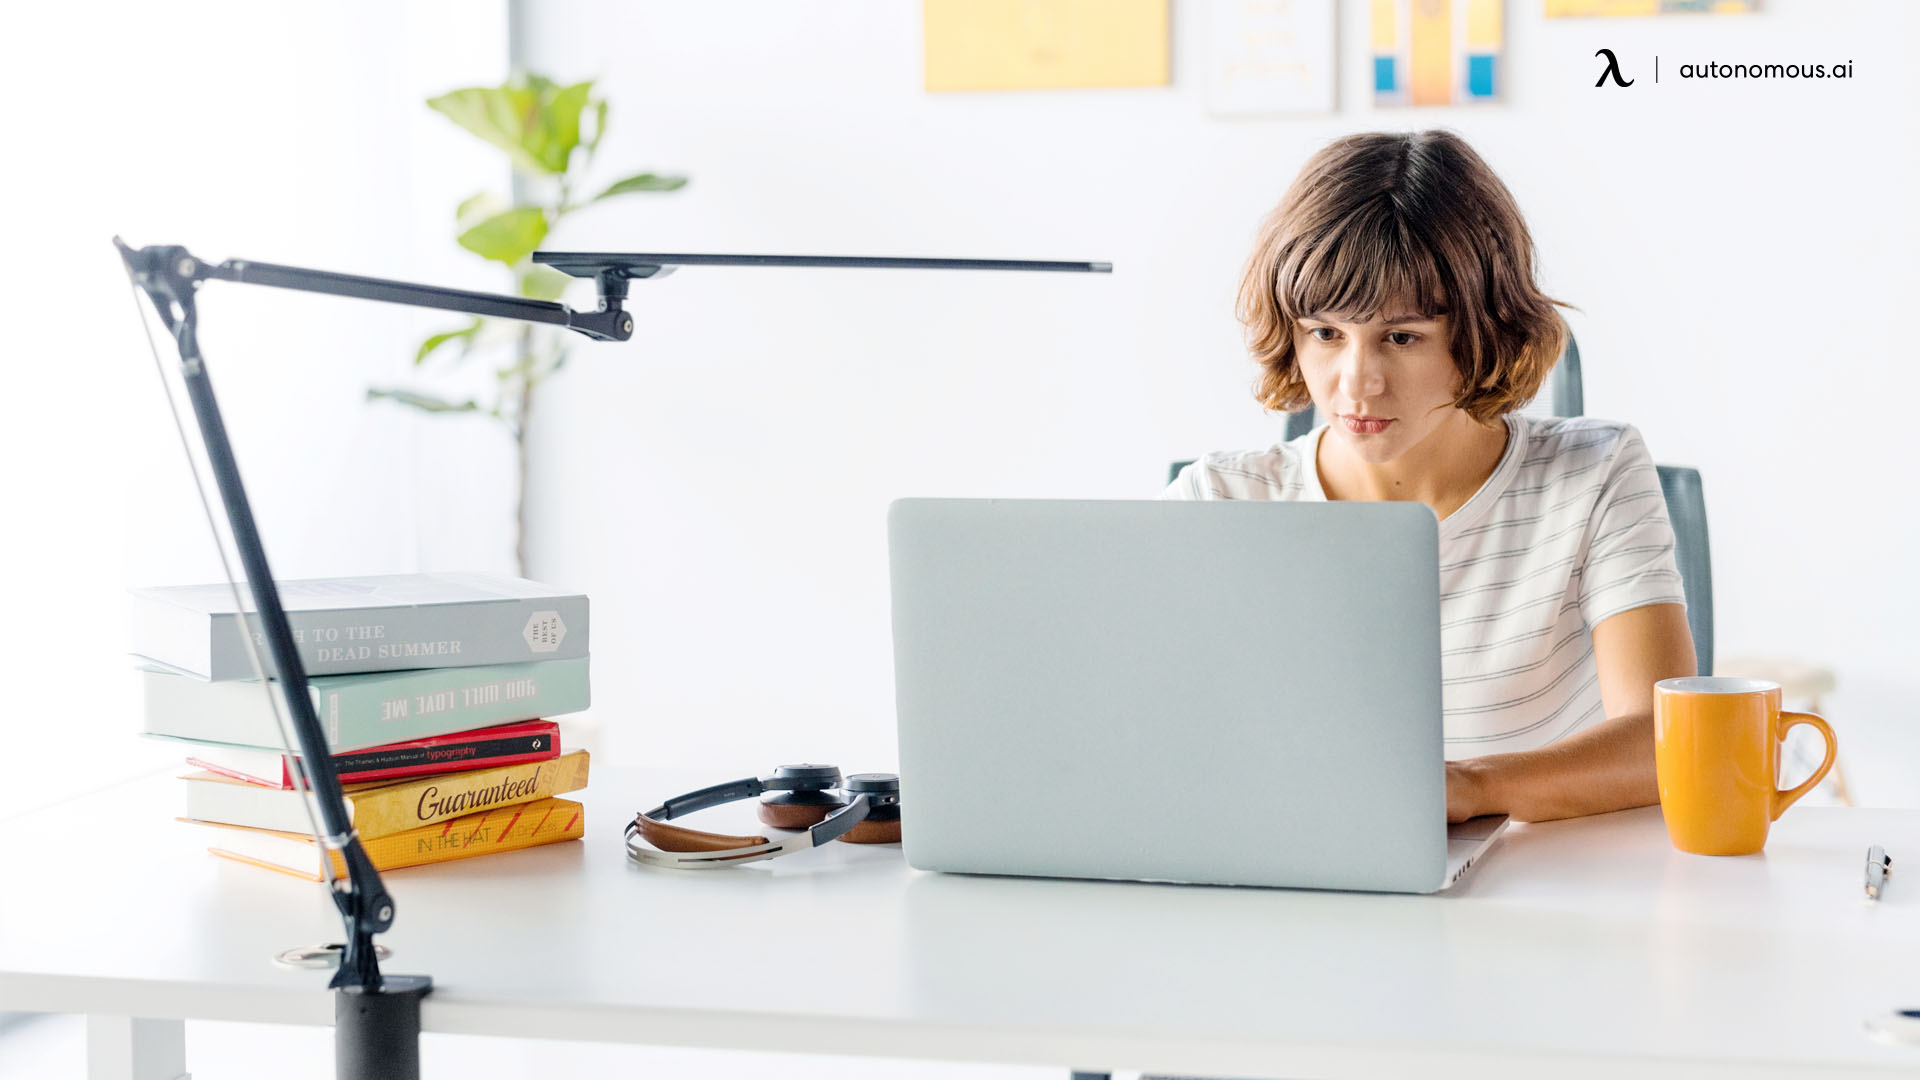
x=1393, y=289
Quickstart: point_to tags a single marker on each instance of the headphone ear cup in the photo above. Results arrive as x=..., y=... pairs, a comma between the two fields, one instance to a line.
x=882, y=824
x=874, y=832
x=793, y=814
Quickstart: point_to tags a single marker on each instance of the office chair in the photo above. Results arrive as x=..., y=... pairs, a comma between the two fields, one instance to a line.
x=1687, y=510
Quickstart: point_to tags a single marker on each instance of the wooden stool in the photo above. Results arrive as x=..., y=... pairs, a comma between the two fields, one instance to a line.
x=1802, y=684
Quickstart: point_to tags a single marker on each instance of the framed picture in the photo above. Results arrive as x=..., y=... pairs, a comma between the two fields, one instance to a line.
x=1437, y=52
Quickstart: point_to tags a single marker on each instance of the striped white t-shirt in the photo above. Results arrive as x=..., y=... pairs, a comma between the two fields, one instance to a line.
x=1570, y=529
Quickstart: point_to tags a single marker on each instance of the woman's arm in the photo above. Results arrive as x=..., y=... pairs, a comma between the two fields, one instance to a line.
x=1609, y=766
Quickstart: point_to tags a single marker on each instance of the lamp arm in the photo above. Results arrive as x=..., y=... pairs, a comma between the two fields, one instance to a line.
x=377, y=1017
x=610, y=271
x=184, y=273
x=169, y=277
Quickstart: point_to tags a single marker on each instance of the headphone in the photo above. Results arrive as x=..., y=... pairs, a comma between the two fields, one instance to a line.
x=810, y=798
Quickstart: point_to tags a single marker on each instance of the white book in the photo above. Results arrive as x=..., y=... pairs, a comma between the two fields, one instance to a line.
x=211, y=797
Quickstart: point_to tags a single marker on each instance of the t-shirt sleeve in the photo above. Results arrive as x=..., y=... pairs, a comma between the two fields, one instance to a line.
x=1629, y=556
x=1190, y=484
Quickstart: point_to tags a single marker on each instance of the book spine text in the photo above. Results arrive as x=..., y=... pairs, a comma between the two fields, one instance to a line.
x=355, y=640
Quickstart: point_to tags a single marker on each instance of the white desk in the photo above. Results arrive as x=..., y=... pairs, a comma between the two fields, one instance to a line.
x=1581, y=948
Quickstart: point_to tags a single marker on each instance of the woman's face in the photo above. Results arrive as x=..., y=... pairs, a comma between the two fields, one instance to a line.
x=1383, y=385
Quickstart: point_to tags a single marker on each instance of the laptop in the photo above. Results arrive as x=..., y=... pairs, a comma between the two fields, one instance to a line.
x=1231, y=693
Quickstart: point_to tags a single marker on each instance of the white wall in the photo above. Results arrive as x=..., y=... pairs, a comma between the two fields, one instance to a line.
x=285, y=133
x=1742, y=255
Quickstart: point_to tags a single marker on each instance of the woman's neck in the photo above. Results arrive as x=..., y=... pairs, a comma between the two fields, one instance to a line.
x=1444, y=470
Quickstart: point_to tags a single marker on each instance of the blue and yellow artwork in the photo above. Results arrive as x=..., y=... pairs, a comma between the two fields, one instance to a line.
x=1436, y=52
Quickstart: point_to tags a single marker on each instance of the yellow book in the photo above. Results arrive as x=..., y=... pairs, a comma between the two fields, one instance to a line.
x=385, y=807
x=510, y=828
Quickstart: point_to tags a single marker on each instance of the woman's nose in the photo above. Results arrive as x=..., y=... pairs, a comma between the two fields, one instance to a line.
x=1362, y=376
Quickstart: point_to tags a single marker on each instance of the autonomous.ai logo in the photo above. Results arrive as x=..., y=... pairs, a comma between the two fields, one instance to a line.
x=1715, y=69
x=1612, y=71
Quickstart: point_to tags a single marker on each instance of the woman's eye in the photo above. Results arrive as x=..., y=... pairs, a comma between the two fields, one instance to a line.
x=1401, y=338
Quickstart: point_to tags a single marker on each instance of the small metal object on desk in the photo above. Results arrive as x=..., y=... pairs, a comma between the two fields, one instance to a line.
x=1879, y=865
x=321, y=956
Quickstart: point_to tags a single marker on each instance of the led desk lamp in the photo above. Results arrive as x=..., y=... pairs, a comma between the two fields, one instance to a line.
x=377, y=1017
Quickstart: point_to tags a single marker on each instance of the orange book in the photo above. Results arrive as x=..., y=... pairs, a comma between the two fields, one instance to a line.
x=508, y=828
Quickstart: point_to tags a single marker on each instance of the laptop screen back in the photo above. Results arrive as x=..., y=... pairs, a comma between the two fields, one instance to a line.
x=1222, y=692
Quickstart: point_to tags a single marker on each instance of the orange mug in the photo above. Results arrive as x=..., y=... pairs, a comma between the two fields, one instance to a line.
x=1716, y=747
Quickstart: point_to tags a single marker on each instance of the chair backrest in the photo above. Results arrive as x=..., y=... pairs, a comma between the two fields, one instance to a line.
x=1687, y=509
x=1692, y=555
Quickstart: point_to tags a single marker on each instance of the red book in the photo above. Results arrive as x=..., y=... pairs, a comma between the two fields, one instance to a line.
x=480, y=748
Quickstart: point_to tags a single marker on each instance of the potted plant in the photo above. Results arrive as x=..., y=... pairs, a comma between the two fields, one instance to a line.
x=550, y=134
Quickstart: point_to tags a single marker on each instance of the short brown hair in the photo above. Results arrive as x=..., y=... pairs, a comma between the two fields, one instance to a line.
x=1413, y=217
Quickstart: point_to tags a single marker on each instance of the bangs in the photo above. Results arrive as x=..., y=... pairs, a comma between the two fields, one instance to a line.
x=1358, y=266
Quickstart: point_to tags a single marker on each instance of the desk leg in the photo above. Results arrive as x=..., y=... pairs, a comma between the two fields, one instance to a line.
x=129, y=1048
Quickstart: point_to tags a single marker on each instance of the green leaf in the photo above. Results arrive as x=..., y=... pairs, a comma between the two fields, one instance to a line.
x=423, y=402
x=464, y=335
x=599, y=125
x=556, y=130
x=533, y=119
x=498, y=114
x=507, y=237
x=478, y=208
x=642, y=182
x=544, y=283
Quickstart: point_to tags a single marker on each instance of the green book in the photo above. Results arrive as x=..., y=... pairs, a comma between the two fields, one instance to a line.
x=373, y=709
x=351, y=625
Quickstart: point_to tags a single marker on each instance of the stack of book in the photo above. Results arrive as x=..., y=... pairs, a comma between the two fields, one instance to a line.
x=435, y=694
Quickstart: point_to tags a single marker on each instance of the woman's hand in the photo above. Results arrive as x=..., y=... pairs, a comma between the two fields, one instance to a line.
x=1467, y=795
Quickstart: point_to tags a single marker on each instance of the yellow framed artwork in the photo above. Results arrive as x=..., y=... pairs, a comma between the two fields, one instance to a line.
x=1561, y=9
x=1045, y=44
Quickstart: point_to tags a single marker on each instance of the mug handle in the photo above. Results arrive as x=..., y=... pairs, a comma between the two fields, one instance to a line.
x=1784, y=799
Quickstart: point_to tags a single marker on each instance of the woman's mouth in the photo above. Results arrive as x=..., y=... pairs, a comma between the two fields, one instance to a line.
x=1366, y=425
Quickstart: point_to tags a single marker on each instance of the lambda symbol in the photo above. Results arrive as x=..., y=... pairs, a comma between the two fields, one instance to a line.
x=1613, y=69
